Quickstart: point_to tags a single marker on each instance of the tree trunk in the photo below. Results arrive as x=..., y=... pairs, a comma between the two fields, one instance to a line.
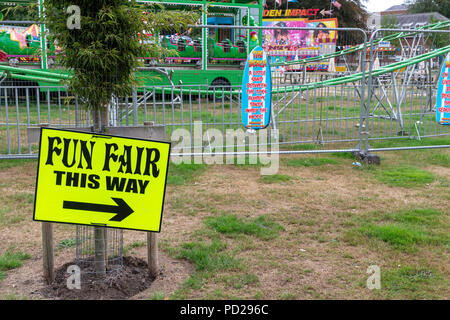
x=100, y=117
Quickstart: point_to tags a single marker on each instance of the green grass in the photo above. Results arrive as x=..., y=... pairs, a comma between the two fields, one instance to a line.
x=14, y=207
x=309, y=162
x=343, y=155
x=209, y=257
x=418, y=216
x=275, y=178
x=181, y=174
x=158, y=296
x=240, y=280
x=21, y=198
x=410, y=282
x=392, y=143
x=302, y=146
x=13, y=296
x=405, y=230
x=67, y=243
x=11, y=260
x=6, y=219
x=404, y=176
x=7, y=164
x=133, y=245
x=438, y=159
x=399, y=236
x=260, y=227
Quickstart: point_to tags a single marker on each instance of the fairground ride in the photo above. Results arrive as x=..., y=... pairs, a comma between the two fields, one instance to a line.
x=214, y=58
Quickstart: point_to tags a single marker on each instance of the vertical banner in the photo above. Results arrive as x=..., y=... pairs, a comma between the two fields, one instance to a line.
x=256, y=91
x=443, y=94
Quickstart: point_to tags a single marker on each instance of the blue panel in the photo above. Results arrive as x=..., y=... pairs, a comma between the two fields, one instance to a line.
x=443, y=94
x=256, y=91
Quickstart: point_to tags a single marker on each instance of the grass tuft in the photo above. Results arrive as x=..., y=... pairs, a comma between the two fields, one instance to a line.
x=180, y=174
x=404, y=176
x=275, y=178
x=309, y=162
x=67, y=243
x=409, y=282
x=260, y=227
x=12, y=260
x=403, y=230
x=7, y=164
x=208, y=257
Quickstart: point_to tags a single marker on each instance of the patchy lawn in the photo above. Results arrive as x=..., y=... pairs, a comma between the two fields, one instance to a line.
x=308, y=232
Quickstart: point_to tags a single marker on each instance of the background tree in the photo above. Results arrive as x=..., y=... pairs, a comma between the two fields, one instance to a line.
x=440, y=6
x=389, y=21
x=352, y=14
x=17, y=13
x=421, y=6
x=103, y=54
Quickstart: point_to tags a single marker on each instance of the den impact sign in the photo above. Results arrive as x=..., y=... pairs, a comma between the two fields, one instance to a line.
x=101, y=180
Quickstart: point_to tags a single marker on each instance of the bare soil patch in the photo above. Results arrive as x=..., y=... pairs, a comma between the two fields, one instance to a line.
x=130, y=280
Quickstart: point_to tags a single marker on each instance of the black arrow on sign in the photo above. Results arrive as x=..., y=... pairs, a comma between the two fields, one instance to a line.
x=122, y=209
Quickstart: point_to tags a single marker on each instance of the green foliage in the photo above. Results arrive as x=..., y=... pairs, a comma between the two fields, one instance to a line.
x=18, y=12
x=390, y=21
x=67, y=243
x=439, y=40
x=104, y=53
x=352, y=14
x=260, y=227
x=420, y=6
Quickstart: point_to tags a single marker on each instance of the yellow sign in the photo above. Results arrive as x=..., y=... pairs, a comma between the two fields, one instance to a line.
x=101, y=180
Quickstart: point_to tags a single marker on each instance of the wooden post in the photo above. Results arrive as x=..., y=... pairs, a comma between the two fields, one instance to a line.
x=47, y=252
x=152, y=253
x=100, y=117
x=152, y=239
x=99, y=247
x=47, y=244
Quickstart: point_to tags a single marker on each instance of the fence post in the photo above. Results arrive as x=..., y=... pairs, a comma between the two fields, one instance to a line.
x=47, y=252
x=135, y=107
x=152, y=253
x=47, y=245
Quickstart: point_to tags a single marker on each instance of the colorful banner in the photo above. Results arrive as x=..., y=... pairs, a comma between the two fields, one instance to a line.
x=443, y=94
x=293, y=40
x=300, y=44
x=256, y=91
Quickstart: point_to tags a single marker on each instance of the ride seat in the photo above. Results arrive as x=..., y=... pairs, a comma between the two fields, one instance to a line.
x=197, y=45
x=241, y=46
x=181, y=45
x=226, y=45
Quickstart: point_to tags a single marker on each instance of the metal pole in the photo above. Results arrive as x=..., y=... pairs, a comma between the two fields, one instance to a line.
x=44, y=63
